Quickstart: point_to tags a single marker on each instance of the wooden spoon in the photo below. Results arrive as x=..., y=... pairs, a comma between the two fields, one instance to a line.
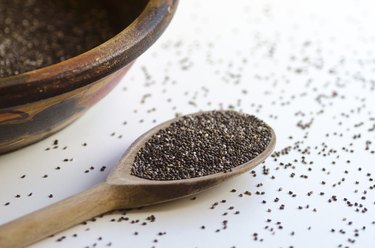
x=121, y=190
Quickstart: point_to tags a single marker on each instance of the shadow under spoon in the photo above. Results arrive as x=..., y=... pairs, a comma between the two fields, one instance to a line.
x=121, y=190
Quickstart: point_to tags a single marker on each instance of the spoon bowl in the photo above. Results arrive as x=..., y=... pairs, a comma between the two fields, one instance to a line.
x=121, y=190
x=162, y=191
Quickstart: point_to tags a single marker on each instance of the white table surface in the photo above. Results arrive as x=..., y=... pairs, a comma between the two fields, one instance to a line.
x=305, y=67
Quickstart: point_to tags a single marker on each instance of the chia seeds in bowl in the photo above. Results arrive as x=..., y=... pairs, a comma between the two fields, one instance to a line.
x=65, y=56
x=37, y=33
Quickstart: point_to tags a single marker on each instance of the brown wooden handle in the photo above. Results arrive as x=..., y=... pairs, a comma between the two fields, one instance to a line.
x=57, y=217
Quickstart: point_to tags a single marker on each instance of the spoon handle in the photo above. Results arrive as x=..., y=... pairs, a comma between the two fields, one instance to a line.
x=57, y=217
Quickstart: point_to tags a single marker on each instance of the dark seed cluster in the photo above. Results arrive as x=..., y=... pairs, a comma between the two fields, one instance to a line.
x=37, y=33
x=202, y=144
x=310, y=75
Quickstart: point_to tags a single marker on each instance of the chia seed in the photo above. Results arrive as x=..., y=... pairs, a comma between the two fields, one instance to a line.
x=37, y=33
x=200, y=145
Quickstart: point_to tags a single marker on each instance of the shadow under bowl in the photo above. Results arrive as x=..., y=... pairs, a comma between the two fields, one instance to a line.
x=38, y=103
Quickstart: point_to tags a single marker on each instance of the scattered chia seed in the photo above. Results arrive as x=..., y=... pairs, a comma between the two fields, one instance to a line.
x=36, y=33
x=316, y=96
x=200, y=145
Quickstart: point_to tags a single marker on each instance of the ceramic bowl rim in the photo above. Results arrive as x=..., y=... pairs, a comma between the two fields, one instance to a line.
x=91, y=65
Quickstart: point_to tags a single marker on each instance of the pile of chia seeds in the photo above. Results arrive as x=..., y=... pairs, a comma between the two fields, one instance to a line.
x=200, y=145
x=37, y=33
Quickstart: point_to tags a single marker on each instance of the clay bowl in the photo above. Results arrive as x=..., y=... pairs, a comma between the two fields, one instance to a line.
x=38, y=103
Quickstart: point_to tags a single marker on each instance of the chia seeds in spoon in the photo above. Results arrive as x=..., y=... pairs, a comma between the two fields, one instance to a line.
x=200, y=145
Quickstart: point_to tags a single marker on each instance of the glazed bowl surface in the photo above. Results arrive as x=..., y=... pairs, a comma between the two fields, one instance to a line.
x=38, y=103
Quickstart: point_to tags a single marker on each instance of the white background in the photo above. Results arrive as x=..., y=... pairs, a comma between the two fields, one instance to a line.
x=289, y=62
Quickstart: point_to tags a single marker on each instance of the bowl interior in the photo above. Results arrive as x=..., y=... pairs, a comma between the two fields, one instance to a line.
x=124, y=12
x=40, y=102
x=36, y=33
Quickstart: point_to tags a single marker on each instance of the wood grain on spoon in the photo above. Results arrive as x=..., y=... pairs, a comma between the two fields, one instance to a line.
x=121, y=190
